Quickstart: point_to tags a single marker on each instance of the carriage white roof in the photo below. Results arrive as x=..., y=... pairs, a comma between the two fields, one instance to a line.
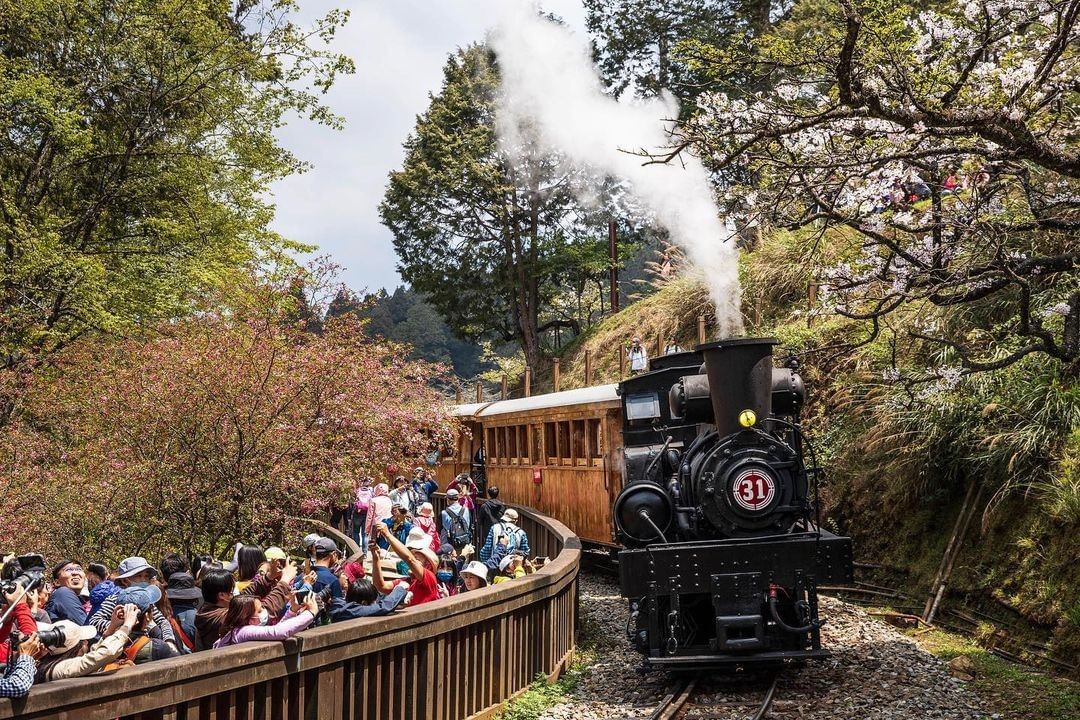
x=581, y=396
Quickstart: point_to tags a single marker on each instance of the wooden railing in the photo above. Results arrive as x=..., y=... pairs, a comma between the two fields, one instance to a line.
x=461, y=657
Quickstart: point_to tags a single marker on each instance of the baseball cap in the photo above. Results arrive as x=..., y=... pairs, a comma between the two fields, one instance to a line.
x=324, y=546
x=452, y=493
x=182, y=587
x=310, y=539
x=477, y=569
x=510, y=515
x=275, y=553
x=133, y=566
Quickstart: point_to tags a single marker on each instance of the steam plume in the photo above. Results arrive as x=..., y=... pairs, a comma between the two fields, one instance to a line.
x=551, y=87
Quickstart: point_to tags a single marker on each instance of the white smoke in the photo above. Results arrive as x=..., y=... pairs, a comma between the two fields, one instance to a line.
x=551, y=87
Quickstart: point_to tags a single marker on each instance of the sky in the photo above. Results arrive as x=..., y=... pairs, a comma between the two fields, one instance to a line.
x=399, y=47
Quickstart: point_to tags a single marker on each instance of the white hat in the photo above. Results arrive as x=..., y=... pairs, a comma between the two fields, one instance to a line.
x=418, y=539
x=510, y=515
x=428, y=553
x=477, y=569
x=427, y=509
x=73, y=634
x=506, y=561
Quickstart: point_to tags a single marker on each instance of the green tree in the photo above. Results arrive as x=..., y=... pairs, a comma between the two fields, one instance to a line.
x=480, y=237
x=136, y=150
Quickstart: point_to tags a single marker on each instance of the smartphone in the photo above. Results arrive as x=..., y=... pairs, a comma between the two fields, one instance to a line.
x=307, y=566
x=302, y=595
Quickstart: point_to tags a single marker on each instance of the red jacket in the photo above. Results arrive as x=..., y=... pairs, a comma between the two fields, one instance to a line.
x=20, y=617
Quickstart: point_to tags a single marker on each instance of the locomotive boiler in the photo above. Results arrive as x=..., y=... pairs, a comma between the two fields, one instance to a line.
x=717, y=517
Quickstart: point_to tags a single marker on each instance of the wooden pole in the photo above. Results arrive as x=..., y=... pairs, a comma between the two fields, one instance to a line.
x=701, y=329
x=811, y=300
x=956, y=544
x=622, y=361
x=555, y=375
x=457, y=394
x=528, y=381
x=659, y=344
x=479, y=392
x=588, y=368
x=504, y=395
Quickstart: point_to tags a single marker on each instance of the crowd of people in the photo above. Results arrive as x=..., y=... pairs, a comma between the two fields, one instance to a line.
x=75, y=619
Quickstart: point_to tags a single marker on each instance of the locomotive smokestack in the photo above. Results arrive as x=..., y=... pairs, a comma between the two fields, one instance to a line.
x=740, y=375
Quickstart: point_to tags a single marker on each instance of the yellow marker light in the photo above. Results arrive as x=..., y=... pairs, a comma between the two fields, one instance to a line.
x=747, y=418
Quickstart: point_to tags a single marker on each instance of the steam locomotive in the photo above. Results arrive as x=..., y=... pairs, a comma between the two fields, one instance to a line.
x=722, y=552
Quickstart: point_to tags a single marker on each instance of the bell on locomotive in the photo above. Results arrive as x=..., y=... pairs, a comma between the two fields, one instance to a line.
x=723, y=552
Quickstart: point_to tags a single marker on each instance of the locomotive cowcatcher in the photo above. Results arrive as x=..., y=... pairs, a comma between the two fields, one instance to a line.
x=723, y=554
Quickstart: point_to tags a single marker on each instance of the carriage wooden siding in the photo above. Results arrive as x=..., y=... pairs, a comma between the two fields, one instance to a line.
x=559, y=453
x=456, y=658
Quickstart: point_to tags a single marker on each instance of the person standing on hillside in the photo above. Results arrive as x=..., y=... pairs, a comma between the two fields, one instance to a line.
x=639, y=357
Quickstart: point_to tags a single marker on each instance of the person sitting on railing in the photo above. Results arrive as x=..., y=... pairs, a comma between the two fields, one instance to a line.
x=247, y=619
x=421, y=562
x=474, y=576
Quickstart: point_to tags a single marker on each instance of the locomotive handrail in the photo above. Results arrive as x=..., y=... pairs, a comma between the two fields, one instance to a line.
x=460, y=657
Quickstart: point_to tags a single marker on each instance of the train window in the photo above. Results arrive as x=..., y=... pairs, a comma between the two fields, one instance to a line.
x=564, y=443
x=500, y=439
x=511, y=444
x=523, y=444
x=537, y=457
x=550, y=446
x=643, y=406
x=595, y=440
x=577, y=441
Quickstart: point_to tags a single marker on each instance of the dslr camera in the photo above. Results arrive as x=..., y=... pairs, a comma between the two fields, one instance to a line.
x=30, y=574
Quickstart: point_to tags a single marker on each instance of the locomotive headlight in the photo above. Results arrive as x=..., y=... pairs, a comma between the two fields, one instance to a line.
x=747, y=418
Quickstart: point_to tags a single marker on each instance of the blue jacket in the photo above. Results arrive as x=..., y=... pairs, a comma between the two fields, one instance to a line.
x=341, y=610
x=64, y=604
x=325, y=576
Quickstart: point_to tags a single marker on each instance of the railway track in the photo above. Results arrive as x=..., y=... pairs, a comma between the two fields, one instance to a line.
x=680, y=703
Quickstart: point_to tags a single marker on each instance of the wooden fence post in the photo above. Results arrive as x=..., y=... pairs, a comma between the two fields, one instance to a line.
x=622, y=361
x=588, y=368
x=504, y=395
x=659, y=344
x=555, y=375
x=811, y=300
x=528, y=381
x=479, y=391
x=457, y=394
x=701, y=329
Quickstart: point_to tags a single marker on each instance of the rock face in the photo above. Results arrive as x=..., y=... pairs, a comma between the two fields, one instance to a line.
x=874, y=672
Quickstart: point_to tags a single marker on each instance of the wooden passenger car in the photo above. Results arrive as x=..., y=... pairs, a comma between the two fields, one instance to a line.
x=559, y=453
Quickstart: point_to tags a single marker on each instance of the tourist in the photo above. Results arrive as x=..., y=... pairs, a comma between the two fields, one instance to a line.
x=247, y=619
x=19, y=670
x=184, y=599
x=327, y=556
x=511, y=567
x=134, y=572
x=490, y=512
x=363, y=600
x=446, y=575
x=273, y=588
x=516, y=539
x=361, y=502
x=400, y=494
x=474, y=576
x=378, y=509
x=425, y=520
x=249, y=558
x=456, y=522
x=638, y=357
x=68, y=601
x=422, y=563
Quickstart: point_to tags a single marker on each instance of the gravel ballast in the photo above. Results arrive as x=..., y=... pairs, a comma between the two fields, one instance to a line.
x=874, y=672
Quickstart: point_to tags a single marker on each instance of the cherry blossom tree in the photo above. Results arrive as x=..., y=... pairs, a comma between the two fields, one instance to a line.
x=216, y=429
x=939, y=147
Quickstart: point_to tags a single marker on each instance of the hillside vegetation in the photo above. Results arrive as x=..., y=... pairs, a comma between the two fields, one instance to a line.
x=900, y=455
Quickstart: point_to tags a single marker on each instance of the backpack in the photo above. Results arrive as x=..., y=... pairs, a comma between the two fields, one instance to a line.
x=458, y=532
x=512, y=532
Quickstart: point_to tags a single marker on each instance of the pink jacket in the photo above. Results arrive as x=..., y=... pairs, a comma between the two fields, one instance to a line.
x=378, y=508
x=428, y=525
x=286, y=628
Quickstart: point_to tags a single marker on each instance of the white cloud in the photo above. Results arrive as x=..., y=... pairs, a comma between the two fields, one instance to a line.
x=399, y=47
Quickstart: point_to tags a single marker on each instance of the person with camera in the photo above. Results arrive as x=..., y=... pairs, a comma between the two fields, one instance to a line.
x=246, y=619
x=18, y=675
x=422, y=564
x=15, y=582
x=272, y=586
x=67, y=651
x=135, y=572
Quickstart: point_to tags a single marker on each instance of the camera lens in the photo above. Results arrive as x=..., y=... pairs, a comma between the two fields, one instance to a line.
x=52, y=638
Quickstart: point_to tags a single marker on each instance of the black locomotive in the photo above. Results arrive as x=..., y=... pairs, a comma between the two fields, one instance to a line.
x=723, y=555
